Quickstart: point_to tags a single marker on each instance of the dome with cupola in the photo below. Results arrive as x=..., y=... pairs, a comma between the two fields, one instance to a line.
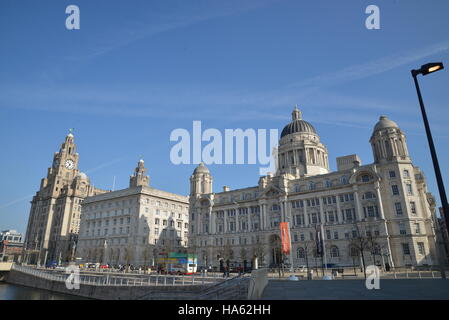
x=298, y=125
x=201, y=169
x=384, y=123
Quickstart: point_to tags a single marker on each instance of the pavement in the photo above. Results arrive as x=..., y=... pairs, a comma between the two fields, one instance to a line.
x=390, y=289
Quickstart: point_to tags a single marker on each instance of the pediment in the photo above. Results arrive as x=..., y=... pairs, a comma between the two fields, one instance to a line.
x=271, y=191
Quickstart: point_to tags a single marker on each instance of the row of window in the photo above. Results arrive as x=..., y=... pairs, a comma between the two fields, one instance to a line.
x=172, y=223
x=398, y=208
x=334, y=252
x=408, y=188
x=106, y=222
x=327, y=183
x=115, y=231
x=405, y=174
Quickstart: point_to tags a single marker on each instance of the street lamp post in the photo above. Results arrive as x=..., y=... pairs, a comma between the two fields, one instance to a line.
x=425, y=70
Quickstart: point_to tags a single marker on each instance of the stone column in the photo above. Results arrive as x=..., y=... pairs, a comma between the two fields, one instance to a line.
x=340, y=215
x=225, y=221
x=289, y=213
x=306, y=217
x=358, y=211
x=198, y=222
x=237, y=220
x=249, y=220
x=213, y=228
x=379, y=200
x=281, y=202
x=323, y=220
x=265, y=216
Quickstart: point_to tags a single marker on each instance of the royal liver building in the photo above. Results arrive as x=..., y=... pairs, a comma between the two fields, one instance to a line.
x=380, y=213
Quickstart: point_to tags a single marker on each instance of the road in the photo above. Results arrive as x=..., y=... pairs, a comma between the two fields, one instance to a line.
x=390, y=289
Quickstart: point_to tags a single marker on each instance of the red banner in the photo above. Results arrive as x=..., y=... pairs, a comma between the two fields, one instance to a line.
x=285, y=237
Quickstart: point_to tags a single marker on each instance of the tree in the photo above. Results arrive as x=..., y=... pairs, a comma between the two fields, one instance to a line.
x=243, y=253
x=306, y=254
x=361, y=243
x=228, y=253
x=375, y=243
x=146, y=255
x=259, y=251
x=129, y=255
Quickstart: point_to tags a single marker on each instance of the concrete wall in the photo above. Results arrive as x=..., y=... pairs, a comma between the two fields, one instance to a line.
x=107, y=292
x=234, y=289
x=259, y=280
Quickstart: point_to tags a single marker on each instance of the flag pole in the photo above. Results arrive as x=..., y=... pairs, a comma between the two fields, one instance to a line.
x=291, y=251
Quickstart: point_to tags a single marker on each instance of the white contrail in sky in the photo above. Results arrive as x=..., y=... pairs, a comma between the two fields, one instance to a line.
x=29, y=197
x=16, y=201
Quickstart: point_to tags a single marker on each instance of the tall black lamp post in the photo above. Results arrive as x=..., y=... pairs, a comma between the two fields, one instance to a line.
x=425, y=70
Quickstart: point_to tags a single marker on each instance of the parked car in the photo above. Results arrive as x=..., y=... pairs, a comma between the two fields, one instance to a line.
x=104, y=266
x=236, y=269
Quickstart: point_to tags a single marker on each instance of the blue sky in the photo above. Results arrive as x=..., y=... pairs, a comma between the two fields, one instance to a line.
x=136, y=70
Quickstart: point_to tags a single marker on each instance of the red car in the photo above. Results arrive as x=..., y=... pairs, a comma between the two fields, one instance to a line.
x=236, y=270
x=104, y=266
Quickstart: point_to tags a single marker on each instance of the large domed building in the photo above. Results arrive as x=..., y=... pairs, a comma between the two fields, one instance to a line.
x=384, y=204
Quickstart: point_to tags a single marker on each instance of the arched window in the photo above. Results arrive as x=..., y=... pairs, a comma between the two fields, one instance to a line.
x=301, y=253
x=311, y=185
x=328, y=183
x=335, y=253
x=344, y=180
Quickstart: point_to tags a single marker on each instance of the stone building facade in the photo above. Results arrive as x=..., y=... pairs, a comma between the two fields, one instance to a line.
x=134, y=225
x=53, y=223
x=11, y=246
x=379, y=213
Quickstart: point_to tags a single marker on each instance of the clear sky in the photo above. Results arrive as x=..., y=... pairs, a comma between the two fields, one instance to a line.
x=136, y=70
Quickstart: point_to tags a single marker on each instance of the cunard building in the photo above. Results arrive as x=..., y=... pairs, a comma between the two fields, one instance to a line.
x=54, y=220
x=136, y=225
x=379, y=213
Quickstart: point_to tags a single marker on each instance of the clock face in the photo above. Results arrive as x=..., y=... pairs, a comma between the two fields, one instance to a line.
x=69, y=164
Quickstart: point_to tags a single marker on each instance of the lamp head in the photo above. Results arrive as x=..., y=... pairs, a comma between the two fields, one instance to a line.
x=428, y=68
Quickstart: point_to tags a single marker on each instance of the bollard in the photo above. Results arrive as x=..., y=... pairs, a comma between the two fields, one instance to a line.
x=433, y=276
x=165, y=280
x=174, y=279
x=183, y=280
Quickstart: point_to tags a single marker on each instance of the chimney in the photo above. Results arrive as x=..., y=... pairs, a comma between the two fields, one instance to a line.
x=226, y=189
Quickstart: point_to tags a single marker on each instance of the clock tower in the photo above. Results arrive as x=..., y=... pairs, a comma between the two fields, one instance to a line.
x=53, y=223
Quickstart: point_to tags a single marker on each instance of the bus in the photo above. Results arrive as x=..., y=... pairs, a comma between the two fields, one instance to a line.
x=178, y=263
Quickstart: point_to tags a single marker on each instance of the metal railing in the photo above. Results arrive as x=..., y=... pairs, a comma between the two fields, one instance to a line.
x=121, y=280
